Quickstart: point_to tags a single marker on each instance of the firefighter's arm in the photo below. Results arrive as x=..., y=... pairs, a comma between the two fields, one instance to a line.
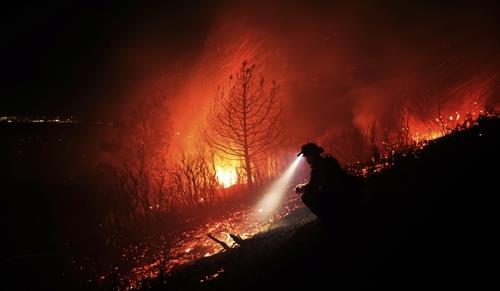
x=307, y=187
x=313, y=184
x=300, y=188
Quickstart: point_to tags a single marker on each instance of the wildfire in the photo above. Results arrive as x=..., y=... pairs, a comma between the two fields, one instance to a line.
x=437, y=128
x=227, y=176
x=194, y=244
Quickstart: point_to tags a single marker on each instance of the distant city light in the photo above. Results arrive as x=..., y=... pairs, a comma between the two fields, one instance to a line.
x=47, y=120
x=43, y=119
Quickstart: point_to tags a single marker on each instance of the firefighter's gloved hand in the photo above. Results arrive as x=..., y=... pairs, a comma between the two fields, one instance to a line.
x=299, y=189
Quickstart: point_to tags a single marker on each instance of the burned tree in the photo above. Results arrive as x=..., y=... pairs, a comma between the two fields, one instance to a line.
x=137, y=148
x=347, y=145
x=246, y=119
x=193, y=180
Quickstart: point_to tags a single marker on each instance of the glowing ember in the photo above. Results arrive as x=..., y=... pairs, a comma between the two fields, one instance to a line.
x=419, y=141
x=210, y=277
x=226, y=176
x=155, y=254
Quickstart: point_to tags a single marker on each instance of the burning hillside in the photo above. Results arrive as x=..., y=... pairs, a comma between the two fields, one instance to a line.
x=153, y=258
x=162, y=133
x=425, y=218
x=162, y=254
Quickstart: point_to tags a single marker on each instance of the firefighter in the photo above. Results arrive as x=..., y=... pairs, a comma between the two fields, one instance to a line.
x=324, y=194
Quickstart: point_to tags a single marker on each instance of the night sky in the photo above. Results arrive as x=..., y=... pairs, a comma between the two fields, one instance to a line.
x=65, y=58
x=337, y=61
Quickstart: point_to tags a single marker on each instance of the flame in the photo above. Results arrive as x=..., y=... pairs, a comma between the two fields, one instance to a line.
x=194, y=244
x=227, y=176
x=466, y=104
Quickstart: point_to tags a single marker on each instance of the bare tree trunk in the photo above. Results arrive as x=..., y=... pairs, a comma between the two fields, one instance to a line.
x=248, y=170
x=248, y=166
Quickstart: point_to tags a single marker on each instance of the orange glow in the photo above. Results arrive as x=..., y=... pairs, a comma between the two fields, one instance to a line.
x=227, y=176
x=195, y=244
x=466, y=103
x=434, y=134
x=221, y=58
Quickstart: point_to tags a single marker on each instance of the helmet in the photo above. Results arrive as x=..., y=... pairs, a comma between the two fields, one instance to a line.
x=310, y=148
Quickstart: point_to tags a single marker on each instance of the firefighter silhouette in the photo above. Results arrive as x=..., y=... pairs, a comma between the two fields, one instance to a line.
x=329, y=191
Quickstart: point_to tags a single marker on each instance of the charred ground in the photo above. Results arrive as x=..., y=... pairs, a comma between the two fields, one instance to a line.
x=427, y=222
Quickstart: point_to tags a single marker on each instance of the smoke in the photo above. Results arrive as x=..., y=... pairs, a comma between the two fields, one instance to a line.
x=340, y=65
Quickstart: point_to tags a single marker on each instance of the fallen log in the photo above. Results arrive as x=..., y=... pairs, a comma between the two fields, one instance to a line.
x=223, y=244
x=237, y=239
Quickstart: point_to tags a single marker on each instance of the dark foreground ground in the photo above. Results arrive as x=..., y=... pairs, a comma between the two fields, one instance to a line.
x=429, y=222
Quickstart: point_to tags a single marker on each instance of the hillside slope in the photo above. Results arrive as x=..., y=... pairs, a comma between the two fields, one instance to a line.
x=428, y=222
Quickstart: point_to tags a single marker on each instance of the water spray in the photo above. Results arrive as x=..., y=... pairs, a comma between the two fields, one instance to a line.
x=274, y=196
